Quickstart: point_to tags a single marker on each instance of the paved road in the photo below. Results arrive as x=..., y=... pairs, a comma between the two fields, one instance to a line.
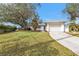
x=69, y=41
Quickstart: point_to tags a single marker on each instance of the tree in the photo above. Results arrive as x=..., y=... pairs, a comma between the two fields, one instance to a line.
x=35, y=22
x=71, y=10
x=17, y=13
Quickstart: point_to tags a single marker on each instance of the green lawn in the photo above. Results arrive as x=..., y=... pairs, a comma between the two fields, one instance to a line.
x=32, y=44
x=74, y=34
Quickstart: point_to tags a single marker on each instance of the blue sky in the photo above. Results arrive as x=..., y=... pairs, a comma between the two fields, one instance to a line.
x=52, y=11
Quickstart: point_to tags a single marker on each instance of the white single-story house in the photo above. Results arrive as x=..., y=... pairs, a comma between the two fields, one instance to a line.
x=56, y=26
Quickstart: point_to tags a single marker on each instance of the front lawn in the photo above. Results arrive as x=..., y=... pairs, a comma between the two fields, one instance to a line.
x=73, y=33
x=32, y=44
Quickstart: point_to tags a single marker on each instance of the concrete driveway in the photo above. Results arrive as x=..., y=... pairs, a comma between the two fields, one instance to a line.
x=69, y=41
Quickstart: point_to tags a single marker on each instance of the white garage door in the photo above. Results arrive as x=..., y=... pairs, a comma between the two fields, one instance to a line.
x=55, y=28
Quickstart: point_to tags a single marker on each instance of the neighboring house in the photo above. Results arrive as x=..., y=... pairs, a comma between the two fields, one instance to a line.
x=41, y=27
x=56, y=26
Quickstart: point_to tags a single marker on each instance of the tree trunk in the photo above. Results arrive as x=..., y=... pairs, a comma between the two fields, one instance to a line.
x=34, y=29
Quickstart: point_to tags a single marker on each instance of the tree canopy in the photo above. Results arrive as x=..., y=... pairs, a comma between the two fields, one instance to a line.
x=35, y=22
x=17, y=12
x=73, y=10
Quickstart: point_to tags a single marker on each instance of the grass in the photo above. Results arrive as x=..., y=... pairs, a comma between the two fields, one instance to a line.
x=73, y=33
x=31, y=44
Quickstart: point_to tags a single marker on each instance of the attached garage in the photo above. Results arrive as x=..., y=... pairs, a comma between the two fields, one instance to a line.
x=55, y=26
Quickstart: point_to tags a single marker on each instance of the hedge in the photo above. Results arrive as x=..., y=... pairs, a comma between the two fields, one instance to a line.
x=5, y=28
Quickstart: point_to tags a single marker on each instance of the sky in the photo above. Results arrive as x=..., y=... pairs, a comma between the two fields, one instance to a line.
x=52, y=11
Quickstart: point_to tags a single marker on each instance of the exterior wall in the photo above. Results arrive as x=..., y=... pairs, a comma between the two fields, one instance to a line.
x=62, y=27
x=41, y=28
x=47, y=27
x=66, y=28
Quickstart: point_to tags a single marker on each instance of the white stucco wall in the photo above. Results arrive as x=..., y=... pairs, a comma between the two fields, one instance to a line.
x=41, y=28
x=62, y=27
x=67, y=28
x=47, y=27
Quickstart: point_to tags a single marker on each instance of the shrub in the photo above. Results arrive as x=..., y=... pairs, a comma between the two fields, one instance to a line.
x=5, y=28
x=74, y=27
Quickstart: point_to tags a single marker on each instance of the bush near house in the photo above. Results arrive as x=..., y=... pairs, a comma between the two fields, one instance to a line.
x=4, y=28
x=73, y=28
